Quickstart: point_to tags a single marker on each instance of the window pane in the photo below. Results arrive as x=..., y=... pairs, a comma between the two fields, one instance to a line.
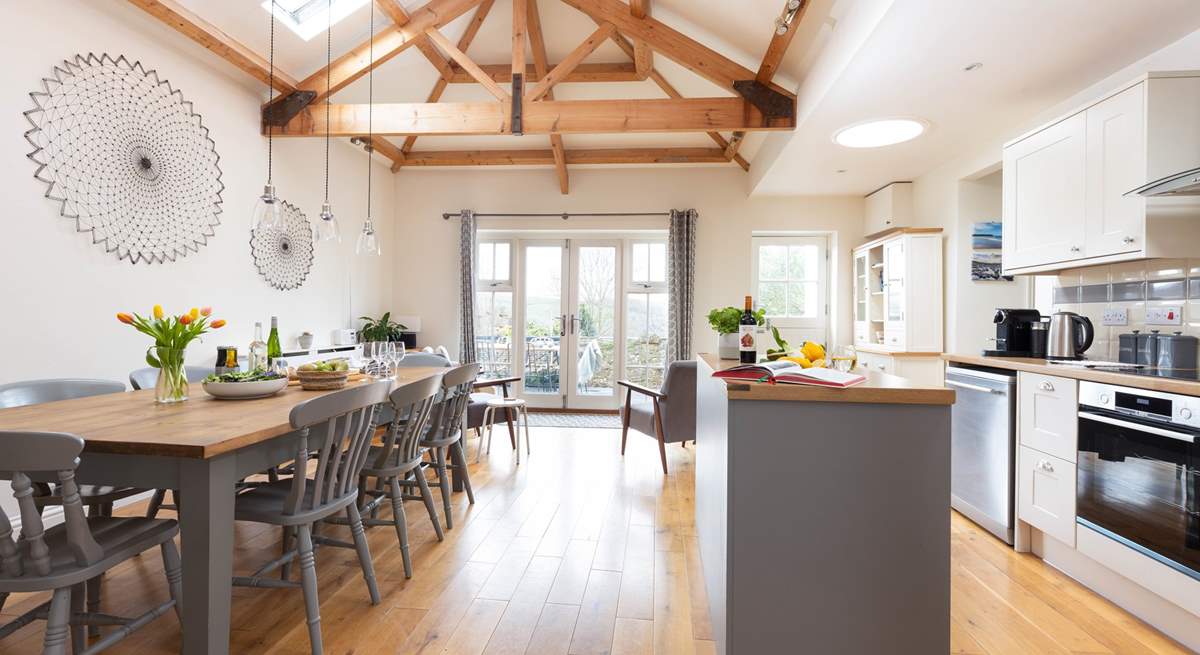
x=596, y=356
x=802, y=262
x=646, y=338
x=802, y=299
x=772, y=262
x=772, y=296
x=493, y=332
x=641, y=262
x=658, y=262
x=543, y=311
x=486, y=262
x=501, y=257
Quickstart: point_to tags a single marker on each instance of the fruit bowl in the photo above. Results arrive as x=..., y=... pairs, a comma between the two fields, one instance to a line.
x=322, y=380
x=245, y=390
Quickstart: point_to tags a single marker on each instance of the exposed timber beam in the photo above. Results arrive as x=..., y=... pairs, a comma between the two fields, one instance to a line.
x=571, y=61
x=464, y=42
x=388, y=43
x=537, y=42
x=469, y=65
x=670, y=43
x=400, y=17
x=599, y=72
x=520, y=24
x=672, y=92
x=214, y=40
x=575, y=157
x=545, y=117
x=643, y=56
x=383, y=147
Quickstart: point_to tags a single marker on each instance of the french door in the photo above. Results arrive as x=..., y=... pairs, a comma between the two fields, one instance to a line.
x=569, y=331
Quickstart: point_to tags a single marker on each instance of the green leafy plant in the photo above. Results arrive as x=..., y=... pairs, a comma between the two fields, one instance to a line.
x=726, y=320
x=783, y=349
x=380, y=329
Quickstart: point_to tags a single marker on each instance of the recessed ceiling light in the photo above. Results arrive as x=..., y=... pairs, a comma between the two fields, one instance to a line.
x=876, y=133
x=973, y=66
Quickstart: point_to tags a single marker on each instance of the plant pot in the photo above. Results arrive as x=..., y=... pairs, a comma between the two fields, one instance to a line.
x=727, y=346
x=305, y=340
x=172, y=385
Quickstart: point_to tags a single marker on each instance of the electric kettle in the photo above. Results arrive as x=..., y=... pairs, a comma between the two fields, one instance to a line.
x=1070, y=335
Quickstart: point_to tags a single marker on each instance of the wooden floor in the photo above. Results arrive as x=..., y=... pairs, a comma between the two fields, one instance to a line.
x=579, y=551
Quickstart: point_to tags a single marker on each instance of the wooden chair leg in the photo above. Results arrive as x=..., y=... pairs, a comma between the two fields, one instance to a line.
x=3, y=597
x=401, y=522
x=444, y=480
x=512, y=433
x=156, y=502
x=458, y=456
x=78, y=630
x=308, y=583
x=289, y=533
x=363, y=550
x=57, y=623
x=173, y=569
x=427, y=498
x=93, y=601
x=625, y=419
x=658, y=429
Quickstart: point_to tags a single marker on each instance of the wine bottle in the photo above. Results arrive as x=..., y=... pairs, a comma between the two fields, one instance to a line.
x=258, y=351
x=274, y=351
x=747, y=349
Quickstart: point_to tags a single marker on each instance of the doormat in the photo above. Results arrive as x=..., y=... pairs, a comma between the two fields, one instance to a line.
x=573, y=420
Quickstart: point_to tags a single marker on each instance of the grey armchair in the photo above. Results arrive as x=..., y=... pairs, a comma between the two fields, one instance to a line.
x=668, y=414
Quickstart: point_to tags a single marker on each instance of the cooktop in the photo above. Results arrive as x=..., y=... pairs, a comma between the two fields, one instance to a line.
x=1189, y=374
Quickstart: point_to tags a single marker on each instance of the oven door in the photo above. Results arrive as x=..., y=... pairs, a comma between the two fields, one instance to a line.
x=1137, y=482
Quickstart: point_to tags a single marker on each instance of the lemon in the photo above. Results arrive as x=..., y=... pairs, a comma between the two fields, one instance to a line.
x=802, y=361
x=813, y=351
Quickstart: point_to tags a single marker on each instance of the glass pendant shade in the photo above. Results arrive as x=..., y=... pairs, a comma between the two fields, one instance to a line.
x=268, y=212
x=368, y=242
x=327, y=226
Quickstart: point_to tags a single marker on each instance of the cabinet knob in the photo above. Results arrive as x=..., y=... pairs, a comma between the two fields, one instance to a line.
x=1127, y=240
x=1046, y=466
x=1074, y=248
x=1046, y=386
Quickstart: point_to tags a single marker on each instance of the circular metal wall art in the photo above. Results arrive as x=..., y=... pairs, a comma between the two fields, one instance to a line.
x=126, y=157
x=284, y=256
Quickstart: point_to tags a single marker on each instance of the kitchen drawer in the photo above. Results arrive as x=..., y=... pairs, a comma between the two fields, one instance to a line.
x=1046, y=494
x=1046, y=414
x=894, y=339
x=877, y=362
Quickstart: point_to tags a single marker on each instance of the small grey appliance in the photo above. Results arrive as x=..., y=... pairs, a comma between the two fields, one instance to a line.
x=982, y=433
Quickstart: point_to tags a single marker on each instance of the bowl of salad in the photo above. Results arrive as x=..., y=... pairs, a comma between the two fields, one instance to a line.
x=244, y=385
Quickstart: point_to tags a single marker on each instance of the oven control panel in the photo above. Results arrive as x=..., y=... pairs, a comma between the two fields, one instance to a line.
x=1143, y=403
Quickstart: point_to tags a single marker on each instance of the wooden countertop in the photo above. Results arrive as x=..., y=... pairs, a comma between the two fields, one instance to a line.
x=880, y=388
x=1031, y=365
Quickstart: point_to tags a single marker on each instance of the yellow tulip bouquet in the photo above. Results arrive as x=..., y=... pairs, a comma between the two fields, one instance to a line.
x=171, y=335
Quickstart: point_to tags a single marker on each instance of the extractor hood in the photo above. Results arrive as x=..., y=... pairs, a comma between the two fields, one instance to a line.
x=1186, y=183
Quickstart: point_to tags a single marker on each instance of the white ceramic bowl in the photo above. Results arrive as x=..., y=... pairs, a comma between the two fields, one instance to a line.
x=245, y=390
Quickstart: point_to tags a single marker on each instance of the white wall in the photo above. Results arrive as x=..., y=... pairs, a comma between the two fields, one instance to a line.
x=427, y=247
x=61, y=291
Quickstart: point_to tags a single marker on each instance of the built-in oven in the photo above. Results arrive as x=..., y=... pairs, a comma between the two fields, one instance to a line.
x=1138, y=471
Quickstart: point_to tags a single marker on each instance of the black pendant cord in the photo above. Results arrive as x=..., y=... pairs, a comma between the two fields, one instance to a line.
x=328, y=60
x=370, y=107
x=271, y=94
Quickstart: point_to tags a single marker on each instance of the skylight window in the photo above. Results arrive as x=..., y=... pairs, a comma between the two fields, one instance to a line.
x=308, y=18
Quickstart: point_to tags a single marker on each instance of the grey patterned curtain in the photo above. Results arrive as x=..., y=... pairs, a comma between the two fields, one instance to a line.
x=681, y=280
x=466, y=311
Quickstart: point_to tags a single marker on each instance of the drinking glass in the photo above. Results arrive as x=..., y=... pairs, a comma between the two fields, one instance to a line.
x=847, y=360
x=370, y=353
x=389, y=358
x=401, y=352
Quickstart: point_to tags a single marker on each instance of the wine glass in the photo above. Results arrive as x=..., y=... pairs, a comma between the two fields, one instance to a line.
x=401, y=352
x=370, y=353
x=389, y=358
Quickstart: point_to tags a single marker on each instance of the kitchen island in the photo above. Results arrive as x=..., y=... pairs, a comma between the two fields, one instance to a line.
x=823, y=516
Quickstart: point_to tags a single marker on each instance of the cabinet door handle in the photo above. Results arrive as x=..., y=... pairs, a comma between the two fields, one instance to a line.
x=1046, y=386
x=1046, y=466
x=1074, y=248
x=1127, y=240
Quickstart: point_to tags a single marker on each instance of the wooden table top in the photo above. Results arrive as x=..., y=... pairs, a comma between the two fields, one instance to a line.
x=880, y=388
x=201, y=427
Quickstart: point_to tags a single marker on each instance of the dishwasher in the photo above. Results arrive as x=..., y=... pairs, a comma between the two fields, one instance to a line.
x=982, y=446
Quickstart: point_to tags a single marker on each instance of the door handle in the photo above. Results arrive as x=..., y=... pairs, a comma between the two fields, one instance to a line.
x=974, y=387
x=562, y=325
x=1046, y=386
x=573, y=321
x=1046, y=466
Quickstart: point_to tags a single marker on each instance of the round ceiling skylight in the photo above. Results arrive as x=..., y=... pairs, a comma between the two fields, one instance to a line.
x=877, y=133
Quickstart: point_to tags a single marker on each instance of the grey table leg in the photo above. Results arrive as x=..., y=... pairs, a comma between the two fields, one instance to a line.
x=206, y=527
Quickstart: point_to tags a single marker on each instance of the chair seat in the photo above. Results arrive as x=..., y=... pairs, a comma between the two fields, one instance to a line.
x=119, y=539
x=505, y=402
x=391, y=466
x=91, y=494
x=266, y=504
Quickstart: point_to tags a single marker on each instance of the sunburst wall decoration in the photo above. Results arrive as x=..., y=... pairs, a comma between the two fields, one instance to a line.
x=284, y=256
x=126, y=157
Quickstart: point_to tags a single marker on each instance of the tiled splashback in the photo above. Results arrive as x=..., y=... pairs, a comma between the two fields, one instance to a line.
x=1133, y=286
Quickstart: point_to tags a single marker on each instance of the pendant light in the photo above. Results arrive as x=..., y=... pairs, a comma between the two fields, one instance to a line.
x=327, y=226
x=267, y=207
x=368, y=242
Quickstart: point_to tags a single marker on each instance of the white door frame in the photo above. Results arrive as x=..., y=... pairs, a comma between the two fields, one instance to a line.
x=573, y=399
x=542, y=400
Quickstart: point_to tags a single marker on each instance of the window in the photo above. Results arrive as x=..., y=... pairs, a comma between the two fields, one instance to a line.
x=790, y=280
x=308, y=18
x=646, y=313
x=494, y=308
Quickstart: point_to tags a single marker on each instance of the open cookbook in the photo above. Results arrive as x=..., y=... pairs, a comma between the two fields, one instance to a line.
x=786, y=372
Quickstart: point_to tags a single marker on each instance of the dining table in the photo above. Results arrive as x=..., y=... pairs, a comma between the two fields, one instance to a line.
x=201, y=447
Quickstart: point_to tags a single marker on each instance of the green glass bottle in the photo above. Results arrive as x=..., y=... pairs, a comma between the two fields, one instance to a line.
x=273, y=349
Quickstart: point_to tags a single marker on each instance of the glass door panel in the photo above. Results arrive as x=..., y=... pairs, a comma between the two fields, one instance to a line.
x=543, y=323
x=592, y=329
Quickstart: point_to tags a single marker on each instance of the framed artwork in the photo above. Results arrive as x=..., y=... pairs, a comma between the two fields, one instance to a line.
x=987, y=240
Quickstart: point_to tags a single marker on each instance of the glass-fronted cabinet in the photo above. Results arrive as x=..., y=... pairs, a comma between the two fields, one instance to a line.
x=891, y=275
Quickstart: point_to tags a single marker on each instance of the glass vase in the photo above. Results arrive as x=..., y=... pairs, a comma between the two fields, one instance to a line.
x=172, y=385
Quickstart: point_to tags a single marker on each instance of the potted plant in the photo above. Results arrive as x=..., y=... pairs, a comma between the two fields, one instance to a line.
x=725, y=321
x=380, y=329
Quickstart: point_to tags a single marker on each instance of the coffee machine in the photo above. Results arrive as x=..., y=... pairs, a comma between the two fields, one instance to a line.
x=1014, y=332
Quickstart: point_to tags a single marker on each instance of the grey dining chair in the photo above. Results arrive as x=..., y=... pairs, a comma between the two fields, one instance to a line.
x=98, y=499
x=399, y=457
x=64, y=558
x=146, y=378
x=338, y=427
x=445, y=434
x=668, y=414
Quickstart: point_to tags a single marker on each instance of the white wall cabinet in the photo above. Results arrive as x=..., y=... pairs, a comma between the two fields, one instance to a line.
x=889, y=207
x=1065, y=183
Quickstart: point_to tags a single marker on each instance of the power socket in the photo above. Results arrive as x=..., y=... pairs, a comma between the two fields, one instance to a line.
x=1116, y=317
x=1164, y=316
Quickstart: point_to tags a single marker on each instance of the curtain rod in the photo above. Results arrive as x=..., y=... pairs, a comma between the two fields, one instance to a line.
x=563, y=215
